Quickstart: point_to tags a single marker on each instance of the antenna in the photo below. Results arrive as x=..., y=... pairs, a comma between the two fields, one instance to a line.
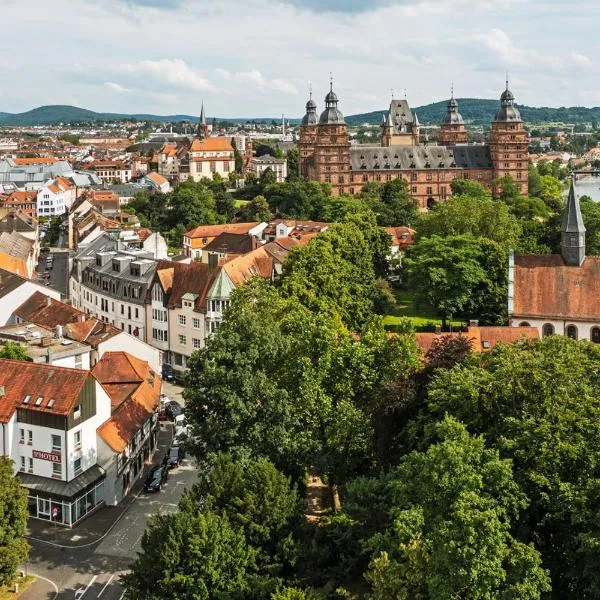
x=507, y=79
x=392, y=91
x=310, y=89
x=452, y=90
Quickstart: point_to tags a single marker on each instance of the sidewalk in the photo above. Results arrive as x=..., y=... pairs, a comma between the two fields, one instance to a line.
x=93, y=529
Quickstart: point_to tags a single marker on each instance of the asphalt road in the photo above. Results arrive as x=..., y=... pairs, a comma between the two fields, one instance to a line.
x=59, y=273
x=92, y=571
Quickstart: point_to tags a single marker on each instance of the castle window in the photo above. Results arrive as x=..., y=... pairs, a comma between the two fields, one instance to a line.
x=524, y=324
x=413, y=176
x=414, y=189
x=595, y=335
x=365, y=177
x=429, y=177
x=572, y=332
x=548, y=329
x=429, y=190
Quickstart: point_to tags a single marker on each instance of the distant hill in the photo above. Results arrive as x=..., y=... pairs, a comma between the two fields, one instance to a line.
x=478, y=111
x=475, y=111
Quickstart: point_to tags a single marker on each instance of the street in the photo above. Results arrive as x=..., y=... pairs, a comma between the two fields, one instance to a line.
x=87, y=561
x=59, y=273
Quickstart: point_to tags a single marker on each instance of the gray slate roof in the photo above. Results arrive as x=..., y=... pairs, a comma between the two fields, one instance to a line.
x=401, y=116
x=63, y=489
x=408, y=158
x=572, y=220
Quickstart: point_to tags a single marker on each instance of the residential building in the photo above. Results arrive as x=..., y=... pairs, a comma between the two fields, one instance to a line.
x=196, y=239
x=49, y=417
x=111, y=171
x=402, y=238
x=129, y=437
x=47, y=346
x=111, y=283
x=208, y=157
x=325, y=153
x=156, y=182
x=106, y=202
x=55, y=197
x=559, y=294
x=24, y=202
x=259, y=164
x=20, y=251
x=16, y=289
x=32, y=173
x=77, y=326
x=228, y=245
x=482, y=339
x=282, y=228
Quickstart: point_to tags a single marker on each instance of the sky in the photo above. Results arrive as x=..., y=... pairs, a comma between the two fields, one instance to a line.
x=257, y=58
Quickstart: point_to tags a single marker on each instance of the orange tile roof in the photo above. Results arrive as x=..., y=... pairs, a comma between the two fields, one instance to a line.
x=47, y=312
x=211, y=144
x=134, y=389
x=35, y=161
x=21, y=379
x=13, y=264
x=401, y=236
x=256, y=263
x=156, y=178
x=211, y=231
x=545, y=287
x=14, y=197
x=169, y=150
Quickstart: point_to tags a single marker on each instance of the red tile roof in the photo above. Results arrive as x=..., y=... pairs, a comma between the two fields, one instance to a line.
x=21, y=379
x=134, y=389
x=211, y=231
x=47, y=312
x=215, y=144
x=545, y=287
x=255, y=263
x=401, y=236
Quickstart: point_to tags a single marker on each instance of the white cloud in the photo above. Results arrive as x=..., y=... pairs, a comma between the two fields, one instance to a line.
x=116, y=87
x=171, y=71
x=257, y=80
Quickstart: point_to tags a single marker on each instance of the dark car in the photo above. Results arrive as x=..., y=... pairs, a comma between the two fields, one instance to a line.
x=167, y=372
x=173, y=409
x=156, y=478
x=174, y=456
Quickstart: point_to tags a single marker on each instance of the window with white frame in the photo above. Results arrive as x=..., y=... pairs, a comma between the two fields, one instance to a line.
x=182, y=340
x=77, y=412
x=77, y=440
x=77, y=465
x=56, y=443
x=29, y=437
x=196, y=343
x=21, y=436
x=196, y=323
x=182, y=320
x=56, y=469
x=30, y=465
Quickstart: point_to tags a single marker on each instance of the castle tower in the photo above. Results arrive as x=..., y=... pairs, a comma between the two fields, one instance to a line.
x=308, y=138
x=508, y=142
x=452, y=128
x=332, y=147
x=401, y=127
x=572, y=233
x=416, y=130
x=202, y=126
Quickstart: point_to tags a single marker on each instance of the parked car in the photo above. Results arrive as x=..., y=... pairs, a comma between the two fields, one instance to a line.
x=156, y=478
x=173, y=409
x=167, y=372
x=174, y=456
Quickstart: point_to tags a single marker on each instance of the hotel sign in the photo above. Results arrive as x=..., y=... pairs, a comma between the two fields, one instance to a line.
x=51, y=456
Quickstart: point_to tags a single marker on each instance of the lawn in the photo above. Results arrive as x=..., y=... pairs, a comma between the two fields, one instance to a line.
x=405, y=307
x=7, y=592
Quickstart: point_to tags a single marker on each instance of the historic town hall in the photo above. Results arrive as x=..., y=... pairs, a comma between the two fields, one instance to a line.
x=326, y=154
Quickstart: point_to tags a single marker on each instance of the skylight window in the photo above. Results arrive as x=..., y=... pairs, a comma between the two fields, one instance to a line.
x=26, y=399
x=50, y=403
x=39, y=401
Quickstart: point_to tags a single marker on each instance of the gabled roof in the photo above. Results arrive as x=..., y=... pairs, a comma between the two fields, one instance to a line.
x=13, y=264
x=14, y=244
x=47, y=160
x=231, y=243
x=134, y=389
x=178, y=279
x=546, y=287
x=256, y=263
x=208, y=231
x=401, y=236
x=44, y=311
x=156, y=178
x=21, y=379
x=211, y=144
x=10, y=281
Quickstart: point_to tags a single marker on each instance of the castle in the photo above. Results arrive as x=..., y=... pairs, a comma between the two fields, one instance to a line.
x=327, y=156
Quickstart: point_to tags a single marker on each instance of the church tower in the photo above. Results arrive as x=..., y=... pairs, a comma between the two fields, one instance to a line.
x=508, y=142
x=452, y=128
x=308, y=137
x=332, y=147
x=202, y=126
x=572, y=233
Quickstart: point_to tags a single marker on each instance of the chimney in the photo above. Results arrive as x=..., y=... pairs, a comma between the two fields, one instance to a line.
x=58, y=332
x=48, y=301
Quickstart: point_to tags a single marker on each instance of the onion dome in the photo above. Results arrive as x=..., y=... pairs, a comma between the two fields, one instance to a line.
x=331, y=115
x=310, y=118
x=452, y=116
x=507, y=111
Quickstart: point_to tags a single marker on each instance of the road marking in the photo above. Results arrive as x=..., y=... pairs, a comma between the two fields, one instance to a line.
x=49, y=581
x=105, y=586
x=81, y=591
x=123, y=594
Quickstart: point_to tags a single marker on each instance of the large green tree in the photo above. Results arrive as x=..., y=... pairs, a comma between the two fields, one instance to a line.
x=191, y=556
x=14, y=351
x=391, y=202
x=453, y=506
x=13, y=522
x=540, y=405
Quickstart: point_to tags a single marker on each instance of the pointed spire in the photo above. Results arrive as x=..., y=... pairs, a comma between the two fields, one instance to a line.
x=572, y=244
x=507, y=80
x=572, y=220
x=330, y=81
x=416, y=120
x=310, y=90
x=452, y=91
x=202, y=116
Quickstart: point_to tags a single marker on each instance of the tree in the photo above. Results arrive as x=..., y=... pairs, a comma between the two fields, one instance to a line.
x=392, y=203
x=590, y=211
x=256, y=210
x=298, y=199
x=191, y=556
x=295, y=594
x=13, y=522
x=258, y=499
x=444, y=272
x=14, y=351
x=538, y=403
x=479, y=216
x=292, y=156
x=267, y=177
x=468, y=187
x=453, y=508
x=239, y=161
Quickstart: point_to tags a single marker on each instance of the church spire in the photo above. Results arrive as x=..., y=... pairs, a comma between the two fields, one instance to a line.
x=202, y=126
x=572, y=244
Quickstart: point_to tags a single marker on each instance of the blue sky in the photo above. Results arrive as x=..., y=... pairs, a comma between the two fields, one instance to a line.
x=256, y=57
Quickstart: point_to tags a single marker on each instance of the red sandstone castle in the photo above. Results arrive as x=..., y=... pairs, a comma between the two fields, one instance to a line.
x=326, y=154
